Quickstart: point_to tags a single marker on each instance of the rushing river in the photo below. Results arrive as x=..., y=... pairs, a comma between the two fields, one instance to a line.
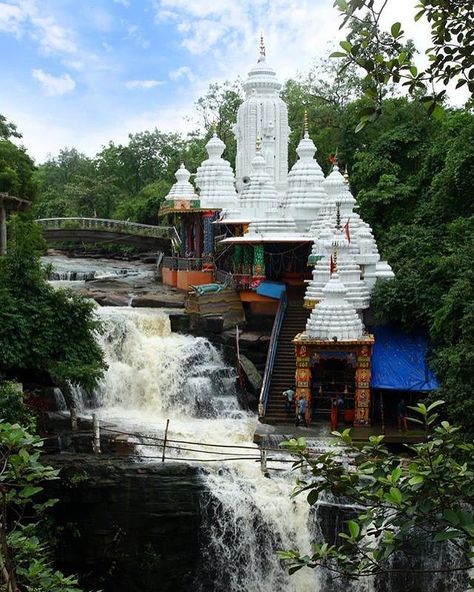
x=154, y=375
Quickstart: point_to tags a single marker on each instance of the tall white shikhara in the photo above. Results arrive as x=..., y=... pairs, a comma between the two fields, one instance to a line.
x=264, y=115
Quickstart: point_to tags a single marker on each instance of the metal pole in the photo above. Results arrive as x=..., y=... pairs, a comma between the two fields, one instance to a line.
x=165, y=440
x=96, y=434
x=382, y=412
x=74, y=419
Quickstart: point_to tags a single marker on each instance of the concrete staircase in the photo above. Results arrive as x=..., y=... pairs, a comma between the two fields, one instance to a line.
x=283, y=375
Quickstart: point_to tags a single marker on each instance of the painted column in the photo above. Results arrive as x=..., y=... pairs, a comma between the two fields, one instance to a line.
x=362, y=387
x=258, y=268
x=303, y=377
x=208, y=249
x=3, y=230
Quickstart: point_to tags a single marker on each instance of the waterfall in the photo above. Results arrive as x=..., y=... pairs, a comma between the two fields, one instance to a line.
x=154, y=374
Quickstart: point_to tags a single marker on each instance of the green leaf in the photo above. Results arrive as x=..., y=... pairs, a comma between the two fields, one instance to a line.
x=354, y=529
x=447, y=535
x=396, y=495
x=30, y=491
x=346, y=45
x=338, y=54
x=395, y=29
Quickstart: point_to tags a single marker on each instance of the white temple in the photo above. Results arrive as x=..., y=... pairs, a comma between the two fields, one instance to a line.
x=300, y=207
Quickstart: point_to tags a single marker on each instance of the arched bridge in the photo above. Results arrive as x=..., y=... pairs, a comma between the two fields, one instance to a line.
x=96, y=230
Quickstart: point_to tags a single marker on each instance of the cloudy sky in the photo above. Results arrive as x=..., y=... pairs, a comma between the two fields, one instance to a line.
x=81, y=72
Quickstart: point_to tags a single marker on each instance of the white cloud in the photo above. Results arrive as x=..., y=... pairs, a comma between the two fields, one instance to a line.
x=143, y=84
x=54, y=85
x=183, y=72
x=26, y=16
x=11, y=18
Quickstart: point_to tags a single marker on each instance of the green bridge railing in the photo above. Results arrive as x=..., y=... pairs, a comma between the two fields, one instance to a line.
x=105, y=225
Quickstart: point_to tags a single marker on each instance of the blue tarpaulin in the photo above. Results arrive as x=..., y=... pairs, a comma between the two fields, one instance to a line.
x=271, y=289
x=399, y=361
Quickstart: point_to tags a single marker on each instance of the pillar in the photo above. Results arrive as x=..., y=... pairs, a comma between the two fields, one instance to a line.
x=208, y=242
x=258, y=267
x=3, y=230
x=303, y=374
x=362, y=393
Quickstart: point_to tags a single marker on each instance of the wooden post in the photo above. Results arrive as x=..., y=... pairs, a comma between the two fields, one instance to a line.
x=95, y=434
x=3, y=230
x=74, y=419
x=263, y=460
x=165, y=440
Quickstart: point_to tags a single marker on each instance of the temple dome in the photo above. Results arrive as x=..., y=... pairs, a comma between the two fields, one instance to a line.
x=306, y=193
x=182, y=189
x=334, y=318
x=260, y=192
x=348, y=270
x=215, y=178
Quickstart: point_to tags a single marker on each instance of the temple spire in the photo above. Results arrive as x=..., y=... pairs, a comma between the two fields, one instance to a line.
x=305, y=124
x=262, y=50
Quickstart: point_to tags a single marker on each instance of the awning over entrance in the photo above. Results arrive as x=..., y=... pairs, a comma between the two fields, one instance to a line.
x=399, y=361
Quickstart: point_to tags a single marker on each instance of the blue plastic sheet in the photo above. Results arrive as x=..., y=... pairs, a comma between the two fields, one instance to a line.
x=399, y=361
x=271, y=289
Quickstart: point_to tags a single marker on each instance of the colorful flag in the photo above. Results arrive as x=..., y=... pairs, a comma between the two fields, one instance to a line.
x=347, y=230
x=333, y=265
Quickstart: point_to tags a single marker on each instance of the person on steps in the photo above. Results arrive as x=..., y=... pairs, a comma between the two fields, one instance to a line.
x=300, y=417
x=288, y=394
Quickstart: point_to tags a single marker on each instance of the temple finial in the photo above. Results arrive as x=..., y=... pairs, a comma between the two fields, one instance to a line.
x=338, y=215
x=346, y=176
x=262, y=50
x=258, y=145
x=305, y=124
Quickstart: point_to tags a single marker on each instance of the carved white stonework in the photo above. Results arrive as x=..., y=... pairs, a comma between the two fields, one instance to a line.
x=334, y=317
x=264, y=115
x=182, y=189
x=306, y=194
x=337, y=246
x=215, y=178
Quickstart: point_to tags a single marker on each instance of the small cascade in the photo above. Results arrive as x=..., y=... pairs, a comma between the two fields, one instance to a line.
x=60, y=401
x=154, y=372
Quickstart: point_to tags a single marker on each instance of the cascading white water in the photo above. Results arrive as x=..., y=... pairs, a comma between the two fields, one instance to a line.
x=153, y=375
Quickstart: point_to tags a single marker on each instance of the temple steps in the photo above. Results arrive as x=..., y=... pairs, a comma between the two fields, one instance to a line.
x=284, y=368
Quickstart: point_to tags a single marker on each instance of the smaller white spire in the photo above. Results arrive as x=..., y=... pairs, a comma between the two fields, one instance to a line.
x=215, y=178
x=182, y=189
x=334, y=318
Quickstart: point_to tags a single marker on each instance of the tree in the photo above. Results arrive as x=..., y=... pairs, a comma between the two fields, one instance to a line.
x=16, y=167
x=399, y=501
x=44, y=332
x=385, y=58
x=25, y=561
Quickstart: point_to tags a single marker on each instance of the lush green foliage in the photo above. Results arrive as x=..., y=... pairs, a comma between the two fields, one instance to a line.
x=16, y=167
x=43, y=331
x=427, y=496
x=25, y=561
x=385, y=57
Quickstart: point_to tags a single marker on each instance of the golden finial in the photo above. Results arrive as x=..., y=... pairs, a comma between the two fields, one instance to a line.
x=346, y=176
x=258, y=144
x=305, y=123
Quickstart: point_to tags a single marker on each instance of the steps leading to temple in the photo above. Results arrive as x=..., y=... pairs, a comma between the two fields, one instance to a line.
x=283, y=375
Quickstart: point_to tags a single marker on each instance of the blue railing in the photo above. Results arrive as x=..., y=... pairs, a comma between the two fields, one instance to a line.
x=272, y=349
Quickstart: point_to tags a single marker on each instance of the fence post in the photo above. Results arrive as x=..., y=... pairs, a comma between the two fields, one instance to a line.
x=164, y=441
x=263, y=460
x=95, y=434
x=74, y=419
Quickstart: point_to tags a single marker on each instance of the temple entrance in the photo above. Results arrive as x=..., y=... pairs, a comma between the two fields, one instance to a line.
x=333, y=381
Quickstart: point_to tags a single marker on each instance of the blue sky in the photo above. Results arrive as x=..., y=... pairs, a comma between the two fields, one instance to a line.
x=83, y=72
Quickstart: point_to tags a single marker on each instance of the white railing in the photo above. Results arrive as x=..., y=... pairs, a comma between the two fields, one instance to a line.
x=103, y=224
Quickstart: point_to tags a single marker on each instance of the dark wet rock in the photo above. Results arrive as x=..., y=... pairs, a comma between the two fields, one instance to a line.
x=165, y=300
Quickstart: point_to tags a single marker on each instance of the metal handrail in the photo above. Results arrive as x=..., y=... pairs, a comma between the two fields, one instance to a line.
x=272, y=349
x=125, y=226
x=223, y=277
x=189, y=263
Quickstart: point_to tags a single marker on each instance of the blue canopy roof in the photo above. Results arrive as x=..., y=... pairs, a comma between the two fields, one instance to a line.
x=271, y=289
x=399, y=361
